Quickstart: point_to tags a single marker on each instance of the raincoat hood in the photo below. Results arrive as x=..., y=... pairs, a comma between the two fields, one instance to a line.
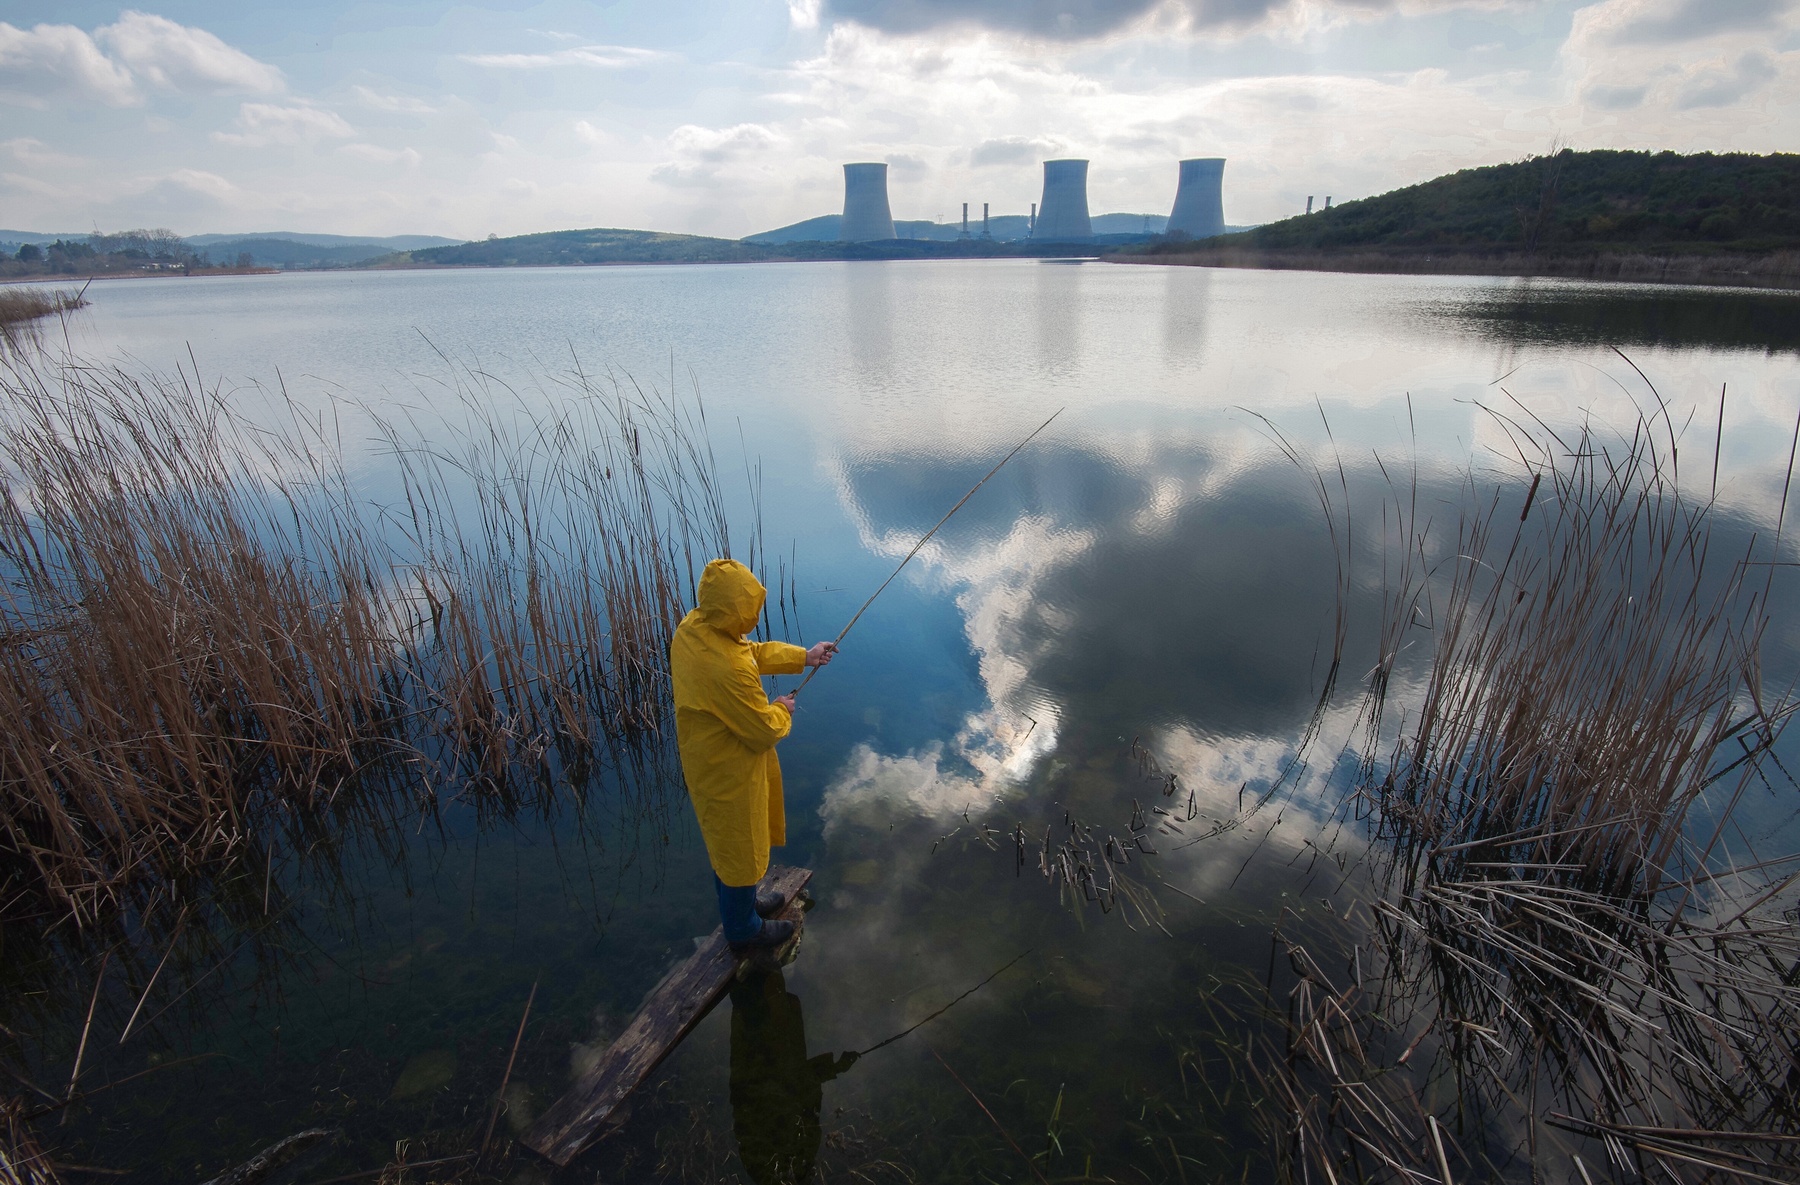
x=731, y=597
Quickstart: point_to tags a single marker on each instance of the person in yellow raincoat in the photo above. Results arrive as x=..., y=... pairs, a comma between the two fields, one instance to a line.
x=726, y=728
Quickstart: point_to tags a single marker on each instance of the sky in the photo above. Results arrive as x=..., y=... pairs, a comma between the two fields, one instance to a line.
x=727, y=117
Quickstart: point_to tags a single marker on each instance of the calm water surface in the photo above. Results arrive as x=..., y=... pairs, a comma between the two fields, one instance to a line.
x=1151, y=572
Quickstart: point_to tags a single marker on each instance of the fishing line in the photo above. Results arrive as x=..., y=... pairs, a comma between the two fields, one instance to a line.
x=945, y=1008
x=926, y=538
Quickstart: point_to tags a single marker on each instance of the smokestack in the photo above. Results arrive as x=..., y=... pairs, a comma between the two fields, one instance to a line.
x=1031, y=223
x=965, y=230
x=1199, y=202
x=1309, y=198
x=1328, y=201
x=984, y=222
x=1064, y=214
x=866, y=212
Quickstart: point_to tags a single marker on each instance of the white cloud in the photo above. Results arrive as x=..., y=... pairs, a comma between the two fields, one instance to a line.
x=1715, y=93
x=384, y=156
x=1013, y=150
x=398, y=104
x=600, y=57
x=197, y=181
x=180, y=57
x=803, y=14
x=1663, y=22
x=56, y=61
x=1615, y=98
x=1089, y=20
x=701, y=154
x=263, y=124
x=35, y=186
x=1721, y=86
x=112, y=65
x=36, y=154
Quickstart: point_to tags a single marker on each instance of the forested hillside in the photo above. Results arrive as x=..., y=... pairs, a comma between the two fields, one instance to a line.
x=1566, y=202
x=600, y=245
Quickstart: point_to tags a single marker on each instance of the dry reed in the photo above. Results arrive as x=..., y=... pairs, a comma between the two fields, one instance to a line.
x=1562, y=909
x=212, y=648
x=22, y=1160
x=28, y=304
x=21, y=307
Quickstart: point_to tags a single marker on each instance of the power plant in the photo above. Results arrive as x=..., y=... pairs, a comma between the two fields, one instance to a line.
x=1063, y=215
x=867, y=215
x=1199, y=198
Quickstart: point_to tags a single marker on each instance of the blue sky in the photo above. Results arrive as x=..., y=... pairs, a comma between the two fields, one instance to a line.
x=727, y=118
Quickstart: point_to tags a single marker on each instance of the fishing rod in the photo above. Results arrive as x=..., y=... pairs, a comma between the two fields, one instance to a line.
x=926, y=538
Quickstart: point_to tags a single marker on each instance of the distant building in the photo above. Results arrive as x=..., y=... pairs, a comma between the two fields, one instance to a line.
x=867, y=215
x=1199, y=198
x=1062, y=217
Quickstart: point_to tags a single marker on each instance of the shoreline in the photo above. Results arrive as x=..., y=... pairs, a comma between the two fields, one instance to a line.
x=65, y=278
x=1778, y=271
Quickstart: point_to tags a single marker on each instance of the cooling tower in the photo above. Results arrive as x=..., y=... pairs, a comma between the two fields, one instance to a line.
x=1063, y=216
x=866, y=212
x=1199, y=204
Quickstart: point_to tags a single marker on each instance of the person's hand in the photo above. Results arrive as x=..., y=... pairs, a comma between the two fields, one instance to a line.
x=820, y=654
x=785, y=701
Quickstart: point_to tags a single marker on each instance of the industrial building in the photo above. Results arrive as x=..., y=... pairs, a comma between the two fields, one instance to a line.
x=1063, y=214
x=867, y=216
x=1199, y=198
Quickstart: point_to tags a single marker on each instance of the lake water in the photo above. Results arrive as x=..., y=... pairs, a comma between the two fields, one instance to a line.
x=1151, y=575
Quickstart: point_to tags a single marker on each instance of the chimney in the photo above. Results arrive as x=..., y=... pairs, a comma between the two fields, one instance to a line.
x=1064, y=211
x=866, y=212
x=1199, y=198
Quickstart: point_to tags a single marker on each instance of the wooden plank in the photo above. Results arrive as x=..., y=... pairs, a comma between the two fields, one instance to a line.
x=670, y=1012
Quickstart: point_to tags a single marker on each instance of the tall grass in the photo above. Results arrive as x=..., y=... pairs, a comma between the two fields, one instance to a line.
x=214, y=649
x=19, y=307
x=1575, y=936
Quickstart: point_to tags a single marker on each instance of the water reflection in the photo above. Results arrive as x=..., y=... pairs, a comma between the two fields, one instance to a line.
x=1549, y=313
x=1187, y=292
x=868, y=294
x=1060, y=313
x=775, y=1087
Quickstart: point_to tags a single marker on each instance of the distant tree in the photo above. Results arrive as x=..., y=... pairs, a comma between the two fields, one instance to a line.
x=30, y=253
x=160, y=243
x=245, y=259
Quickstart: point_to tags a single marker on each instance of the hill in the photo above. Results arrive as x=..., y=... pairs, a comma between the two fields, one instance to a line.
x=1569, y=202
x=612, y=245
x=385, y=242
x=292, y=253
x=600, y=245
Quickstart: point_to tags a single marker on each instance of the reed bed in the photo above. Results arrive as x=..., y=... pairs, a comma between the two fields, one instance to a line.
x=28, y=304
x=1596, y=950
x=20, y=308
x=217, y=655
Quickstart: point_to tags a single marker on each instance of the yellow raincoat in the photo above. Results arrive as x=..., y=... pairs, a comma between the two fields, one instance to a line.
x=725, y=725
